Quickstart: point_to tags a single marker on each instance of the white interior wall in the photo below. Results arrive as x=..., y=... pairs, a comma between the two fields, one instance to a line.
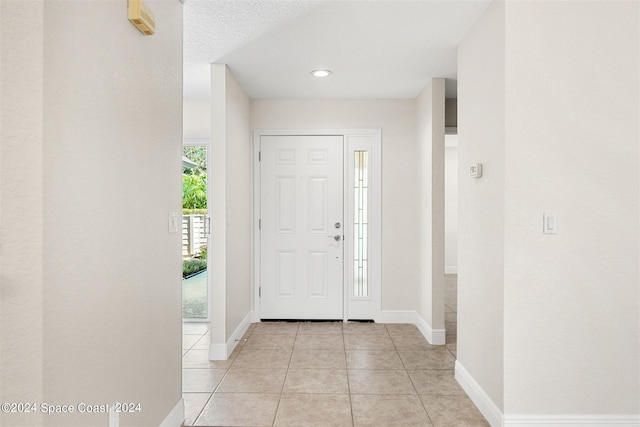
x=113, y=132
x=400, y=206
x=481, y=138
x=21, y=207
x=572, y=329
x=430, y=108
x=197, y=105
x=560, y=138
x=231, y=210
x=451, y=204
x=100, y=129
x=218, y=212
x=239, y=216
x=197, y=119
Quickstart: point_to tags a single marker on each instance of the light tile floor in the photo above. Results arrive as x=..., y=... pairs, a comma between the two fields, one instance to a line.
x=451, y=311
x=327, y=374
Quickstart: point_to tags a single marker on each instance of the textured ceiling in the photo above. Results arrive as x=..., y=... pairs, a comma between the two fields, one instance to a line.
x=376, y=49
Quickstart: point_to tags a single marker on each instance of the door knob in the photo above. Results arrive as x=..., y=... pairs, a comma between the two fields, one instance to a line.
x=337, y=237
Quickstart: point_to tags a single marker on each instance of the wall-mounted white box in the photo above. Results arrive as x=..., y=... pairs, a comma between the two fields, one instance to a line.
x=475, y=170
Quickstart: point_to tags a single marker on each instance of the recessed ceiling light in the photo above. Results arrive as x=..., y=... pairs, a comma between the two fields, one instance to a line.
x=321, y=73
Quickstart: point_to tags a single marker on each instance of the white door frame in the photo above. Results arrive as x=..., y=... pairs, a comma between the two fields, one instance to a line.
x=354, y=139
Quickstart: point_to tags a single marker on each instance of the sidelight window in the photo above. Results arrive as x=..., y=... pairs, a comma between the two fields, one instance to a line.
x=361, y=188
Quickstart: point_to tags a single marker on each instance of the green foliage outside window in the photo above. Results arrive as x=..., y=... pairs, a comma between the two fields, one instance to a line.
x=194, y=181
x=194, y=191
x=192, y=266
x=197, y=155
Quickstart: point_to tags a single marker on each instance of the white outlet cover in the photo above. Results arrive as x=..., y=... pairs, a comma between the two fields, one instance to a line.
x=549, y=223
x=114, y=417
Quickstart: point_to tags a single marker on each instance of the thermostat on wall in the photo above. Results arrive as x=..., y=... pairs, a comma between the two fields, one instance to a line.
x=141, y=17
x=475, y=171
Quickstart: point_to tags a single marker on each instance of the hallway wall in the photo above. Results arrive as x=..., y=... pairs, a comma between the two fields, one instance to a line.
x=101, y=172
x=572, y=132
x=21, y=207
x=549, y=101
x=231, y=216
x=481, y=116
x=430, y=129
x=451, y=204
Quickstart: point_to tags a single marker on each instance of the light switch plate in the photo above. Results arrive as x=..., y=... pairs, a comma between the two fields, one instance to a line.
x=173, y=222
x=549, y=223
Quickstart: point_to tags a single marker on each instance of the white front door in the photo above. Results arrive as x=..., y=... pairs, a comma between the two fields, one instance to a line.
x=301, y=179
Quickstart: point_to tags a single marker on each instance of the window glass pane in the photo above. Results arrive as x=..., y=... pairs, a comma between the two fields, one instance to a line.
x=365, y=194
x=194, y=235
x=365, y=283
x=361, y=204
x=363, y=239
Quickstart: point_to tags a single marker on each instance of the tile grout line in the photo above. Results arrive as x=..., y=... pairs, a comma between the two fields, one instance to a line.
x=410, y=379
x=346, y=368
x=195, y=420
x=217, y=385
x=286, y=375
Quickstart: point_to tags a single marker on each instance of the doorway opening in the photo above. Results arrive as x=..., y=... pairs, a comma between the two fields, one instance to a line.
x=451, y=239
x=195, y=234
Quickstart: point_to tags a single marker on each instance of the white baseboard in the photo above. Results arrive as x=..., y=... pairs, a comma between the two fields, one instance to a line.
x=175, y=417
x=217, y=351
x=232, y=342
x=496, y=418
x=450, y=269
x=223, y=351
x=433, y=336
x=487, y=407
x=571, y=420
